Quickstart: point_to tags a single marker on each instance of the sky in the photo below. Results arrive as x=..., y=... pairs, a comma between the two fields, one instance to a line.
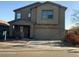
x=7, y=7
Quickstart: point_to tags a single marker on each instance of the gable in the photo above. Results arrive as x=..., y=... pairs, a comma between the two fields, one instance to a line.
x=48, y=6
x=53, y=4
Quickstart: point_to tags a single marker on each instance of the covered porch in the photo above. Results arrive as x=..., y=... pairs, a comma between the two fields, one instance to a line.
x=20, y=29
x=4, y=27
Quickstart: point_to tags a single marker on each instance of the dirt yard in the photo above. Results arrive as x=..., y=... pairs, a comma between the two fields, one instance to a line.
x=35, y=49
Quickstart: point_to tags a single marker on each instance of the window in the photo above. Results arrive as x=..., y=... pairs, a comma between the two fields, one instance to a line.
x=47, y=14
x=18, y=15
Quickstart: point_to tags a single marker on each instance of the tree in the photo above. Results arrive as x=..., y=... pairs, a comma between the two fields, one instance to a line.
x=75, y=18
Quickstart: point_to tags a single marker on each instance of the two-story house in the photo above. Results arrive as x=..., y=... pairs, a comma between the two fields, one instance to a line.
x=39, y=21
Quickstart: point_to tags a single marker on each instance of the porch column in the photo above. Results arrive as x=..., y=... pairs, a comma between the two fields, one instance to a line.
x=31, y=31
x=10, y=30
x=21, y=32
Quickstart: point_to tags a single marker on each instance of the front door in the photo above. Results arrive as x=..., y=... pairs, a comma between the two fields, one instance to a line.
x=25, y=31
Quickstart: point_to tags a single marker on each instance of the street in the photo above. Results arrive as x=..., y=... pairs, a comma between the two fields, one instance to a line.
x=31, y=49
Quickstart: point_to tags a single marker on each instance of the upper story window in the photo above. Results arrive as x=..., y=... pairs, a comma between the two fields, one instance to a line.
x=18, y=15
x=47, y=14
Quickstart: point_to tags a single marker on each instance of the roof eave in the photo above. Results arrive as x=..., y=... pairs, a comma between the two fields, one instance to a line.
x=26, y=6
x=41, y=4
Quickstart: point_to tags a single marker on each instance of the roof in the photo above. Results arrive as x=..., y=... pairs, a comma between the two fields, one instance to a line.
x=55, y=4
x=19, y=22
x=36, y=4
x=4, y=23
x=33, y=4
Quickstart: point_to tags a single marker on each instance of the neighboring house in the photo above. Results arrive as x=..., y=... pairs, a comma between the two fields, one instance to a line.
x=39, y=21
x=4, y=26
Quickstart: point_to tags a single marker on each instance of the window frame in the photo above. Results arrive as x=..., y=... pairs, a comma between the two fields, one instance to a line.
x=18, y=15
x=46, y=15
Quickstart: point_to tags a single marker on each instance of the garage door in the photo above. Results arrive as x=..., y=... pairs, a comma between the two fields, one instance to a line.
x=46, y=33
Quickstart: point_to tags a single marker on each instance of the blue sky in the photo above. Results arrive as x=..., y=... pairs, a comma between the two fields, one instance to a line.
x=7, y=7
